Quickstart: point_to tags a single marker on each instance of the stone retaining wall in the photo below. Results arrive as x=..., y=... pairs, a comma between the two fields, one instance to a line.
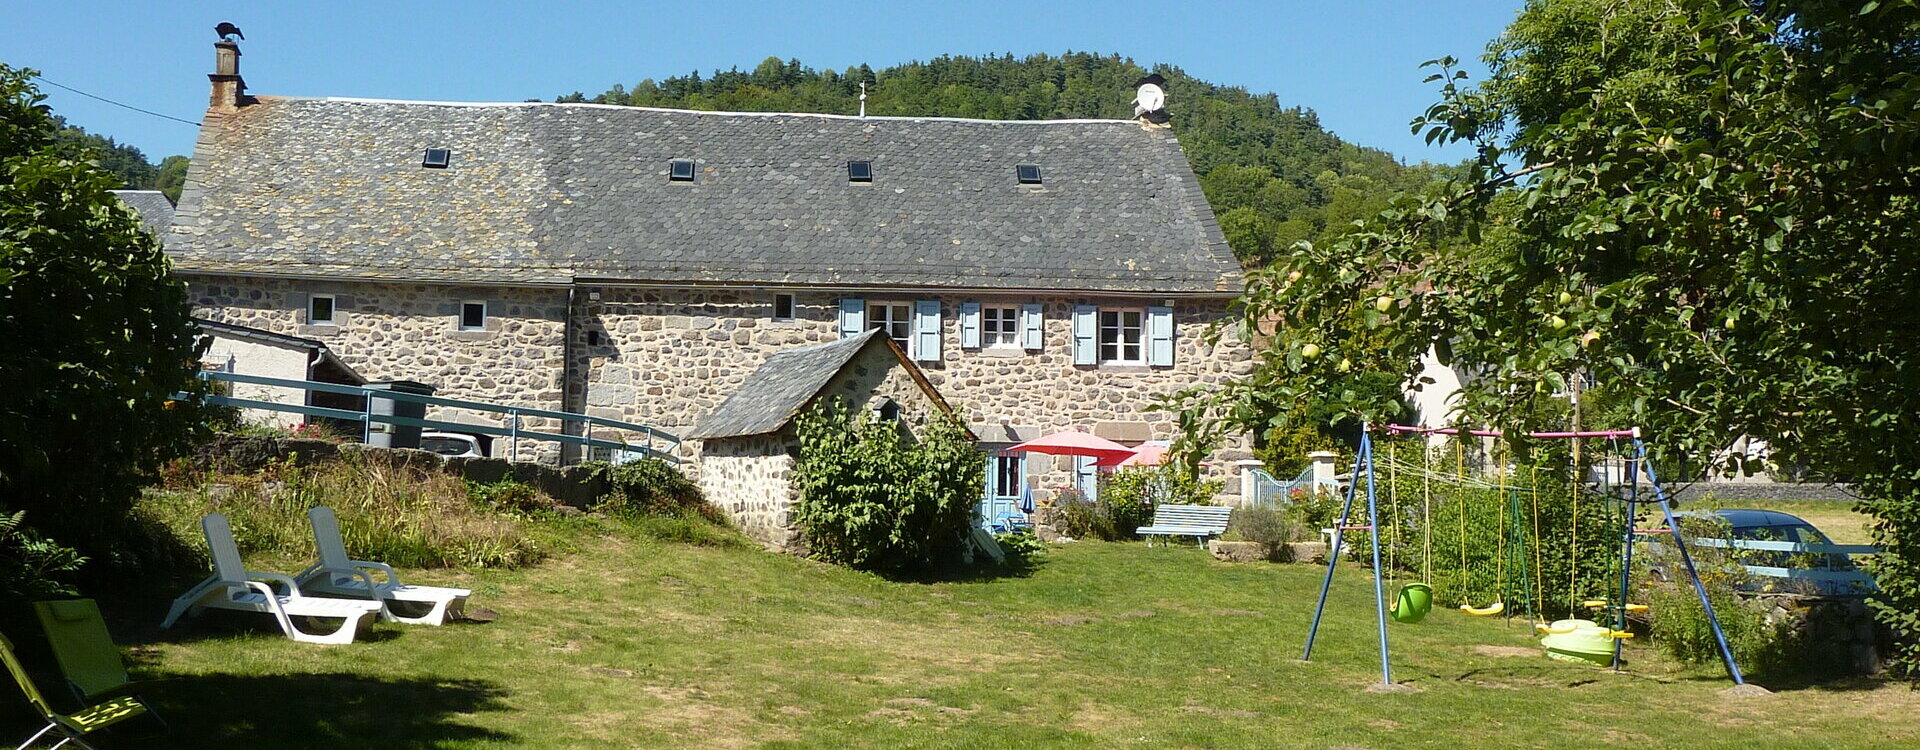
x=577, y=486
x=1755, y=491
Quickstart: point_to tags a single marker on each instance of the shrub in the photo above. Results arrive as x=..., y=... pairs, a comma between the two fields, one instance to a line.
x=652, y=487
x=1080, y=519
x=390, y=513
x=871, y=497
x=1021, y=547
x=1269, y=526
x=1130, y=495
x=98, y=340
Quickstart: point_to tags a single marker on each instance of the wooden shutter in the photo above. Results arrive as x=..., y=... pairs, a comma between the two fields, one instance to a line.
x=1086, y=331
x=970, y=325
x=926, y=330
x=853, y=317
x=1160, y=336
x=1031, y=332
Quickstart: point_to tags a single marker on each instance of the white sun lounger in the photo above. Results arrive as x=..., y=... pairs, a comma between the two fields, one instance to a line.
x=233, y=587
x=339, y=575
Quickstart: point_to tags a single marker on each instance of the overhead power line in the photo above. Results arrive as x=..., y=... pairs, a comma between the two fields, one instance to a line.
x=43, y=79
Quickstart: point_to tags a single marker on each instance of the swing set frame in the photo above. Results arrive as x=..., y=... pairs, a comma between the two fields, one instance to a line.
x=1363, y=468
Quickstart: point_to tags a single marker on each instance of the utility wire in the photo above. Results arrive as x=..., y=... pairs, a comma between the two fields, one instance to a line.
x=43, y=79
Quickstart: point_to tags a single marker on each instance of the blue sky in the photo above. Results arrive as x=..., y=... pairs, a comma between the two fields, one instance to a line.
x=1353, y=62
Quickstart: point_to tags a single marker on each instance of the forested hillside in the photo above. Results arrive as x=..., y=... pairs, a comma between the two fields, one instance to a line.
x=124, y=161
x=1273, y=173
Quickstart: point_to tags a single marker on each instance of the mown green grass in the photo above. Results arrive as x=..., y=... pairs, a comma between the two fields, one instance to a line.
x=633, y=642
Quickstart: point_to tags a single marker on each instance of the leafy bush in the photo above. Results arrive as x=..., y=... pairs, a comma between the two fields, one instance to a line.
x=873, y=498
x=652, y=487
x=1077, y=518
x=1021, y=547
x=1129, y=496
x=509, y=497
x=1270, y=526
x=30, y=565
x=98, y=340
x=392, y=513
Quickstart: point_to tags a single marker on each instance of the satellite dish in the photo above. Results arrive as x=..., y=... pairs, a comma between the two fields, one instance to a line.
x=1151, y=98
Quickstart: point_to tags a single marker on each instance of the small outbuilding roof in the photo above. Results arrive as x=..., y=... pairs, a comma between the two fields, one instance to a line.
x=316, y=348
x=156, y=212
x=788, y=381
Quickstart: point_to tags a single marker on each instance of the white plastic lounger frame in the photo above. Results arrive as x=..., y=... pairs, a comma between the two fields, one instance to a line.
x=340, y=575
x=232, y=587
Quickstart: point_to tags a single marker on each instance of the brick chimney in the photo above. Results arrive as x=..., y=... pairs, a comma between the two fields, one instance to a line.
x=229, y=89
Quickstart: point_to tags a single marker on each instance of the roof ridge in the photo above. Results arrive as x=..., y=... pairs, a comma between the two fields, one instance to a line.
x=717, y=113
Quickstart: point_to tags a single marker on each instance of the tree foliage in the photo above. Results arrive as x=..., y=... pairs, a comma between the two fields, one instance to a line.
x=97, y=340
x=1273, y=173
x=873, y=497
x=1709, y=206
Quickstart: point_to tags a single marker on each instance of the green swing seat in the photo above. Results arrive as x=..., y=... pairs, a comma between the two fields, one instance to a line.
x=1412, y=603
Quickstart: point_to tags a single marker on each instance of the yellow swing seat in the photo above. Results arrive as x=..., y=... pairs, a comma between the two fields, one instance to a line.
x=1487, y=611
x=1602, y=604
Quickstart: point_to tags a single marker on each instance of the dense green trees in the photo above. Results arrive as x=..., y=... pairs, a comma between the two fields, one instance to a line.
x=125, y=162
x=97, y=339
x=1711, y=207
x=1273, y=173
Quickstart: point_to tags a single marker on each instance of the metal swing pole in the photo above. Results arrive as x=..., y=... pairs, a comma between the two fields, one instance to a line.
x=1373, y=532
x=1333, y=549
x=1629, y=505
x=1700, y=589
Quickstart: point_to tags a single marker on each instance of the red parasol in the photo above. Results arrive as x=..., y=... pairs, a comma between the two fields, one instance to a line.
x=1075, y=443
x=1150, y=454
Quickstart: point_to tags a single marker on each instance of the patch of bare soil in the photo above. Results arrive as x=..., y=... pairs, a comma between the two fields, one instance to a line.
x=1070, y=620
x=1237, y=613
x=1136, y=614
x=1485, y=650
x=1211, y=711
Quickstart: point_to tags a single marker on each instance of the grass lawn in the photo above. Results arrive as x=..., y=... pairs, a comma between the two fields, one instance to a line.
x=632, y=642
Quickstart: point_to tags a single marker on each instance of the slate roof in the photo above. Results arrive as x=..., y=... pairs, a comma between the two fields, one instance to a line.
x=552, y=193
x=156, y=212
x=783, y=385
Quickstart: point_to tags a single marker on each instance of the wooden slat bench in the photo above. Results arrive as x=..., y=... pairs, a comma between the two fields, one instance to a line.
x=1197, y=521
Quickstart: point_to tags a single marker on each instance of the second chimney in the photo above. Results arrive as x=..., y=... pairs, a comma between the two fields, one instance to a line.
x=229, y=89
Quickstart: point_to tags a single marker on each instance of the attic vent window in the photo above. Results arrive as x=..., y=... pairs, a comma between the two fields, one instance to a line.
x=1028, y=174
x=437, y=158
x=682, y=171
x=859, y=171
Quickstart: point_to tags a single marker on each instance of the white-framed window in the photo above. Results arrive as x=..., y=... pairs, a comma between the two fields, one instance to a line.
x=896, y=319
x=473, y=315
x=1000, y=326
x=1122, y=336
x=783, y=306
x=320, y=310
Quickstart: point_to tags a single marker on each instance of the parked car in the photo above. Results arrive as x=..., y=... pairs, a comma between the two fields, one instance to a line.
x=455, y=444
x=1822, y=573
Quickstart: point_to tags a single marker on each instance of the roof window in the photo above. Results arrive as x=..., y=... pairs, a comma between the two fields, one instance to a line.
x=859, y=171
x=682, y=171
x=437, y=158
x=1027, y=174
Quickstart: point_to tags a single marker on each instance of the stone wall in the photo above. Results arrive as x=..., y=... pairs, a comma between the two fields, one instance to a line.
x=412, y=332
x=666, y=357
x=574, y=486
x=751, y=479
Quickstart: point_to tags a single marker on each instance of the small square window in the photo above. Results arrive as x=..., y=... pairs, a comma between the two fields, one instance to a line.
x=860, y=171
x=437, y=158
x=320, y=310
x=473, y=316
x=1027, y=174
x=682, y=171
x=783, y=307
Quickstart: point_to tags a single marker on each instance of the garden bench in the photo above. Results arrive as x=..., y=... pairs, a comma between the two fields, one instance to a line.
x=1198, y=521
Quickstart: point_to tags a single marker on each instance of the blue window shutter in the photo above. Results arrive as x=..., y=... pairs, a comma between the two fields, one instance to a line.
x=970, y=325
x=853, y=317
x=1030, y=326
x=1160, y=336
x=926, y=330
x=1086, y=349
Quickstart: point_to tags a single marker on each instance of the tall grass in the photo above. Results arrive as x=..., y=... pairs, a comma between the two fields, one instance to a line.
x=400, y=515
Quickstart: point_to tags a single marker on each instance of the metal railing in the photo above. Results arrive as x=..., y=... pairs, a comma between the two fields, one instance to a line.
x=1821, y=563
x=1269, y=492
x=658, y=444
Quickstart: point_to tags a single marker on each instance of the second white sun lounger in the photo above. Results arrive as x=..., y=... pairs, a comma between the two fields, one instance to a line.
x=233, y=587
x=340, y=575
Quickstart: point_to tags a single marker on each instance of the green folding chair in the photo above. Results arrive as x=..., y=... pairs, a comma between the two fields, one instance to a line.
x=83, y=647
x=68, y=727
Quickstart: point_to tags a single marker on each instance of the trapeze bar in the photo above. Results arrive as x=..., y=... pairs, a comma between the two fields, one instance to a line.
x=1633, y=433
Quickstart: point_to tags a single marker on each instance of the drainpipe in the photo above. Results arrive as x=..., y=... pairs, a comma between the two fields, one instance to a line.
x=569, y=400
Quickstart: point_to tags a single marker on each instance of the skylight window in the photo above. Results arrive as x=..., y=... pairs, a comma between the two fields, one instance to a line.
x=682, y=171
x=859, y=171
x=1028, y=174
x=437, y=158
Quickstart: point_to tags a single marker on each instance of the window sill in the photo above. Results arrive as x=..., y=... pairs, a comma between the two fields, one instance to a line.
x=471, y=335
x=1000, y=352
x=323, y=329
x=1123, y=367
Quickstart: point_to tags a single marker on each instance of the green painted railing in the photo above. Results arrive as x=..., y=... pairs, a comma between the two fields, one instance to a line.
x=655, y=443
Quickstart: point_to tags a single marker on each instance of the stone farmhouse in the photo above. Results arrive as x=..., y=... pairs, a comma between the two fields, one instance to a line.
x=640, y=263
